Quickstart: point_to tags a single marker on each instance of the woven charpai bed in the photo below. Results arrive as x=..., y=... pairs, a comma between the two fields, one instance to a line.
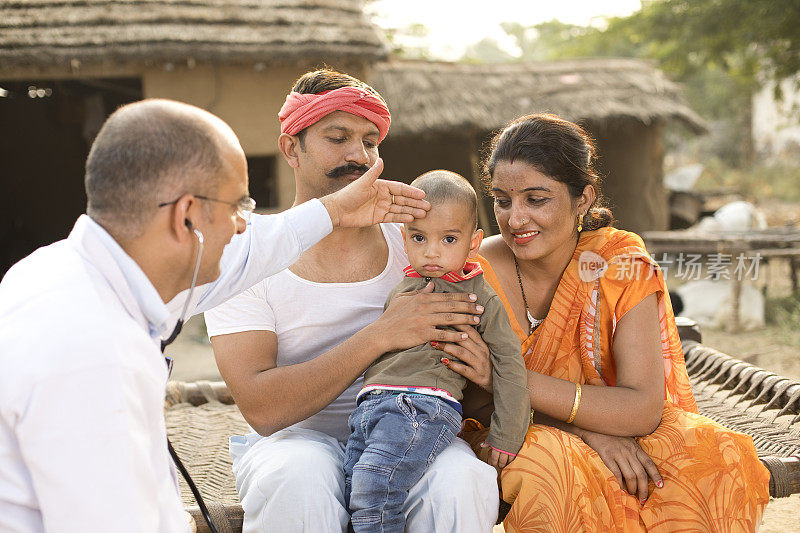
x=201, y=416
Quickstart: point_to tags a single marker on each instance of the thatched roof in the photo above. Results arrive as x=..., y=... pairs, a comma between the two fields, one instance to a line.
x=427, y=97
x=59, y=32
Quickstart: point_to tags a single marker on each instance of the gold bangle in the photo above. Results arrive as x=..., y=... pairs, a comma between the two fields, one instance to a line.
x=575, y=404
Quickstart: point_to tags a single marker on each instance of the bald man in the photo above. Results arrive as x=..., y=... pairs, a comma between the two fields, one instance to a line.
x=83, y=321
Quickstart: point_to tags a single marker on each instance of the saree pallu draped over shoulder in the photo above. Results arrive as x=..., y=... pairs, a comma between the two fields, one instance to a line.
x=713, y=479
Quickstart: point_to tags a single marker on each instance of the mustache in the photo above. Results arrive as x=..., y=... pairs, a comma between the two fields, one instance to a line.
x=349, y=168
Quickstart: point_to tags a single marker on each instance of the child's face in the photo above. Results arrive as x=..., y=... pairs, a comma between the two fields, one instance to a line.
x=442, y=241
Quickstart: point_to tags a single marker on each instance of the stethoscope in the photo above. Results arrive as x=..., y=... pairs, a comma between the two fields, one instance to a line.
x=179, y=324
x=164, y=343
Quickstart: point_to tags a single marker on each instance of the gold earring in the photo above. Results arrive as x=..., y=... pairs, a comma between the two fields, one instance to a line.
x=580, y=222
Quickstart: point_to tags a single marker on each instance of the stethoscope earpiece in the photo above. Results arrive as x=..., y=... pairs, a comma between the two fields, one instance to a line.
x=195, y=230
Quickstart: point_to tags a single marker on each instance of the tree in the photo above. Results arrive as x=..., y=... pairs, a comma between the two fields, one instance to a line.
x=720, y=50
x=487, y=50
x=752, y=40
x=409, y=42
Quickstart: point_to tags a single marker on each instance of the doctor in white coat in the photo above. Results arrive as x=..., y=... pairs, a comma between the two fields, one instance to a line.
x=82, y=435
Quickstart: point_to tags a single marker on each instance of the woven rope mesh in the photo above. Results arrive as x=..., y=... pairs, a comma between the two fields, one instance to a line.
x=747, y=399
x=200, y=436
x=738, y=395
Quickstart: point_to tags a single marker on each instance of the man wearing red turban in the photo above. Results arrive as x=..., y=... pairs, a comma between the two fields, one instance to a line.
x=302, y=110
x=293, y=348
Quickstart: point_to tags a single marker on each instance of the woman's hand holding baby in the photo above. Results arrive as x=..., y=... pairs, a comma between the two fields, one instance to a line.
x=473, y=355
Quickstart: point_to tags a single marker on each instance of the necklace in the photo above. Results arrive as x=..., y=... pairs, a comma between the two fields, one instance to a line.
x=535, y=322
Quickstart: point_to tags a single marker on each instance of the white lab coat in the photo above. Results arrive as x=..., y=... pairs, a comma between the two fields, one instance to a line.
x=82, y=435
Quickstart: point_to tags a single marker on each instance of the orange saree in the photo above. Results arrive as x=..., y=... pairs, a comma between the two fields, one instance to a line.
x=713, y=480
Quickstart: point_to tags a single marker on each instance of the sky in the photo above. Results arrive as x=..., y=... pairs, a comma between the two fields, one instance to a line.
x=454, y=24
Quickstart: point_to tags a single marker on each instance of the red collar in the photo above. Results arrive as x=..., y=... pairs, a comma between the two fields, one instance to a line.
x=469, y=271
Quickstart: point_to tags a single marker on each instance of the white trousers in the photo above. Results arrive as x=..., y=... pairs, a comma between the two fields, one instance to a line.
x=293, y=481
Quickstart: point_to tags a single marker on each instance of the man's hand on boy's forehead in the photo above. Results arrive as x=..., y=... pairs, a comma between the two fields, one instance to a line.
x=369, y=200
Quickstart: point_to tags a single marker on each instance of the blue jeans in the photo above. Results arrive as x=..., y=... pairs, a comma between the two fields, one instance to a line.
x=394, y=438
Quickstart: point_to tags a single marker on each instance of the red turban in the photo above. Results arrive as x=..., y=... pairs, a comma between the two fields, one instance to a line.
x=302, y=110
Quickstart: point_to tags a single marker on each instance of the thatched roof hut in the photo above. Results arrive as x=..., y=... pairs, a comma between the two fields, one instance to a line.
x=444, y=113
x=430, y=97
x=55, y=32
x=65, y=65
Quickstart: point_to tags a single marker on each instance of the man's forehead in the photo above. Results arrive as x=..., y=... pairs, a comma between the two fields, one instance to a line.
x=342, y=120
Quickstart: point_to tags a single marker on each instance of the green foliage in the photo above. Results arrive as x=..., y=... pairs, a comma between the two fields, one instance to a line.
x=487, y=50
x=741, y=37
x=409, y=42
x=777, y=179
x=725, y=102
x=783, y=311
x=720, y=50
x=557, y=40
x=550, y=40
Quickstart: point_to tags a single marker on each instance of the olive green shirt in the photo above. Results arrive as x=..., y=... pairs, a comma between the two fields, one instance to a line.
x=421, y=366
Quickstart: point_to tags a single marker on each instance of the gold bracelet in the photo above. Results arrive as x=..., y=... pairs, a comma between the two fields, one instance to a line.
x=575, y=404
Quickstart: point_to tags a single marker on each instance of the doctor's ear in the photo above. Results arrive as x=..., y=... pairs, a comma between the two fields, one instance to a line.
x=185, y=207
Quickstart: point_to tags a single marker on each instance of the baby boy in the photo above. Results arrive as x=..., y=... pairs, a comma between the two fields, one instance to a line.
x=408, y=410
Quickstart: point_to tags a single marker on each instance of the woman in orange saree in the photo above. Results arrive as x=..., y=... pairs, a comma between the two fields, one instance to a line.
x=615, y=442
